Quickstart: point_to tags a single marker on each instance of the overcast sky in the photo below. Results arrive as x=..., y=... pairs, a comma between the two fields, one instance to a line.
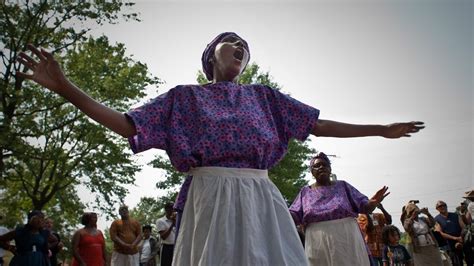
x=356, y=61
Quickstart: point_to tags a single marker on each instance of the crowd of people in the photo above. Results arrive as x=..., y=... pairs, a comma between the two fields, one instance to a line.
x=226, y=136
x=339, y=226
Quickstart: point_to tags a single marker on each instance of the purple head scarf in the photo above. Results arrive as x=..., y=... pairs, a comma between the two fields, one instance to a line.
x=207, y=66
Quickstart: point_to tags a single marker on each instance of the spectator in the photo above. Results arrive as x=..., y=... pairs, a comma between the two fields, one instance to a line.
x=468, y=232
x=126, y=235
x=31, y=242
x=166, y=228
x=376, y=222
x=422, y=241
x=393, y=253
x=148, y=247
x=450, y=228
x=55, y=243
x=88, y=244
x=3, y=230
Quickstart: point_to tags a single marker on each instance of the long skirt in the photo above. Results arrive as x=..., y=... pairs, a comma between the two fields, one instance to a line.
x=426, y=255
x=236, y=216
x=336, y=243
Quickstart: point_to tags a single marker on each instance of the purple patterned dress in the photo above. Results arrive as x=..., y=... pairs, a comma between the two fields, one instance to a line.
x=332, y=238
x=327, y=203
x=221, y=125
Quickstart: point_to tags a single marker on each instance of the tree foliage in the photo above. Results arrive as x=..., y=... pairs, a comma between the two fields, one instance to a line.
x=49, y=149
x=288, y=174
x=147, y=211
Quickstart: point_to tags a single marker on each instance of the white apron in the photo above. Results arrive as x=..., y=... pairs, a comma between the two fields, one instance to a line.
x=236, y=216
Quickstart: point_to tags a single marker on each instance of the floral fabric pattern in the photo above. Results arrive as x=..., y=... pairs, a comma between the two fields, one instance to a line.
x=222, y=124
x=325, y=203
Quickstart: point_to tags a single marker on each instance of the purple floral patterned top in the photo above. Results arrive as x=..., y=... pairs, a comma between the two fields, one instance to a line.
x=222, y=124
x=325, y=203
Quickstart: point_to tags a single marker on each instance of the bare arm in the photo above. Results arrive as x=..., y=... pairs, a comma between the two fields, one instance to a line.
x=387, y=216
x=329, y=128
x=114, y=236
x=48, y=73
x=8, y=236
x=446, y=235
x=138, y=232
x=430, y=221
x=104, y=251
x=75, y=247
x=165, y=233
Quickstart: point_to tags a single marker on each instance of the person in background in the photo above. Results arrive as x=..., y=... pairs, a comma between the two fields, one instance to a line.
x=450, y=228
x=88, y=244
x=466, y=232
x=167, y=230
x=328, y=210
x=375, y=223
x=422, y=245
x=3, y=230
x=148, y=247
x=363, y=222
x=393, y=253
x=31, y=242
x=126, y=234
x=469, y=196
x=55, y=244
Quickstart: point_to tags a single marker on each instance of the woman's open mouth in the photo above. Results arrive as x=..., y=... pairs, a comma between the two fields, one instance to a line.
x=239, y=54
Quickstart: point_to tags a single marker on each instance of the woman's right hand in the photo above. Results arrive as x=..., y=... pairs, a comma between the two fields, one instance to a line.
x=46, y=72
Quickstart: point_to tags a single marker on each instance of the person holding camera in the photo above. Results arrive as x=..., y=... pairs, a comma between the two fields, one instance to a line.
x=423, y=244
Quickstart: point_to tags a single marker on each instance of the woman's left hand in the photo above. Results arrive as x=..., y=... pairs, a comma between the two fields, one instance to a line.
x=380, y=195
x=398, y=130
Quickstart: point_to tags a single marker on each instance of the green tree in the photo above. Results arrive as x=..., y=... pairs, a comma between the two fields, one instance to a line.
x=147, y=211
x=288, y=174
x=49, y=149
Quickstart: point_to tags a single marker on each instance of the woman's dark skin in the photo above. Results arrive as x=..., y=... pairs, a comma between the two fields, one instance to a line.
x=35, y=224
x=321, y=171
x=230, y=59
x=91, y=229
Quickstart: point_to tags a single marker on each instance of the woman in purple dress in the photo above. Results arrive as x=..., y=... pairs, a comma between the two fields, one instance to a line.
x=328, y=210
x=225, y=135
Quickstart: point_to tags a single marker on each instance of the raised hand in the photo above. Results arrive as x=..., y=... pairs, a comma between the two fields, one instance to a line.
x=380, y=195
x=46, y=72
x=398, y=130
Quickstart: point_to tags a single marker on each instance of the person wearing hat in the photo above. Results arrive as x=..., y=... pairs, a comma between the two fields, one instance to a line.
x=422, y=244
x=450, y=228
x=31, y=242
x=226, y=136
x=469, y=196
x=469, y=228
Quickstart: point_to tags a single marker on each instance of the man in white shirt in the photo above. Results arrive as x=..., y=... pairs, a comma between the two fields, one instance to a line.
x=167, y=230
x=148, y=247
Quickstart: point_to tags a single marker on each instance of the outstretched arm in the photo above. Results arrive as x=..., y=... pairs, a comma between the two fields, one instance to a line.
x=47, y=73
x=328, y=128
